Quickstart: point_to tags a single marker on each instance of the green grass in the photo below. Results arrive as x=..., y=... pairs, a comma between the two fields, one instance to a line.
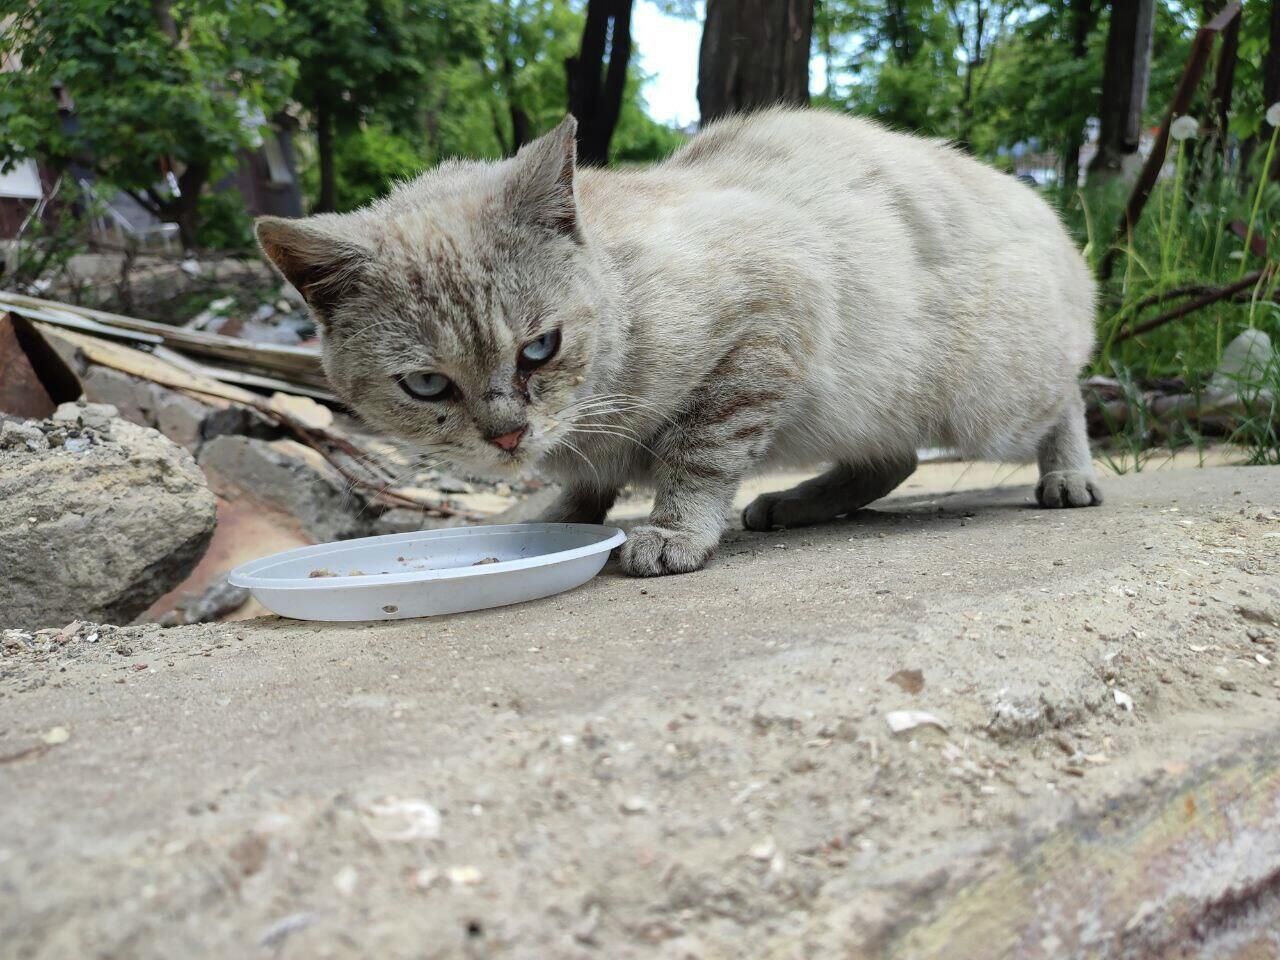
x=1182, y=241
x=1259, y=432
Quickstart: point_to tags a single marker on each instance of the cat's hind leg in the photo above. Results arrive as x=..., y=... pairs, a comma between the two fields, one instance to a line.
x=1066, y=466
x=842, y=489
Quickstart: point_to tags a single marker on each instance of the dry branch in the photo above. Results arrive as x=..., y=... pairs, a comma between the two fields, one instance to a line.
x=1212, y=296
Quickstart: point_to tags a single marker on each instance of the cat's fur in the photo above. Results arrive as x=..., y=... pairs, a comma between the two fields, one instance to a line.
x=790, y=287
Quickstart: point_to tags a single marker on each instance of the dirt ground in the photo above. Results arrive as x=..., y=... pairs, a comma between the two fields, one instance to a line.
x=695, y=767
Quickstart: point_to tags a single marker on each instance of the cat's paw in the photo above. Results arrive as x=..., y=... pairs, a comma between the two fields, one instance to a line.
x=658, y=551
x=759, y=513
x=1068, y=488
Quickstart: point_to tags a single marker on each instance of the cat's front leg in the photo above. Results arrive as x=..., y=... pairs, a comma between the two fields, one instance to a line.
x=579, y=504
x=701, y=459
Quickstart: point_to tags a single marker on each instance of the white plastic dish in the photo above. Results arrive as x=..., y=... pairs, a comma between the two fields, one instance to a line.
x=430, y=572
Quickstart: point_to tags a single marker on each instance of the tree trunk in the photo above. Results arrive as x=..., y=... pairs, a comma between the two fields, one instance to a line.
x=1271, y=68
x=160, y=9
x=521, y=125
x=973, y=62
x=597, y=76
x=1083, y=17
x=900, y=32
x=1271, y=78
x=1210, y=149
x=1126, y=69
x=1224, y=81
x=184, y=209
x=755, y=53
x=327, y=201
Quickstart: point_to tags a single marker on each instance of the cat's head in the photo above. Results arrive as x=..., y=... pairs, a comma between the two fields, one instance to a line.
x=460, y=311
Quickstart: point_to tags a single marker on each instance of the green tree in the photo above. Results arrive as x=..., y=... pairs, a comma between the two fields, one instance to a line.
x=360, y=60
x=148, y=89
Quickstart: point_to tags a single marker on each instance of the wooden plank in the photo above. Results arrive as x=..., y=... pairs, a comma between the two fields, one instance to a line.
x=64, y=319
x=247, y=379
x=147, y=366
x=291, y=363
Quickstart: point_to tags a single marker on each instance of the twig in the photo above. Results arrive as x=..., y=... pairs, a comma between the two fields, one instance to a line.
x=1212, y=296
x=1175, y=294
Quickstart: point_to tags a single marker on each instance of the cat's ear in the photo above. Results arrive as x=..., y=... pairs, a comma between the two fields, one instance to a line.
x=542, y=186
x=318, y=258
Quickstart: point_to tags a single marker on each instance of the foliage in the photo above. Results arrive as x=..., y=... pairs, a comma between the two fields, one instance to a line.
x=1183, y=247
x=224, y=223
x=370, y=160
x=1259, y=432
x=367, y=59
x=174, y=91
x=486, y=106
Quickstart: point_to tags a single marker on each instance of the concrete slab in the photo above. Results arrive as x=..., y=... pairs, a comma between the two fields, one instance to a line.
x=695, y=767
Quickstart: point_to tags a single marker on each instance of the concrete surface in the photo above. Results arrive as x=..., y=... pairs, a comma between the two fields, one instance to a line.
x=695, y=767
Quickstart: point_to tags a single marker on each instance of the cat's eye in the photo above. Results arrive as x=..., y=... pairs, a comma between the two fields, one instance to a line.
x=537, y=352
x=424, y=385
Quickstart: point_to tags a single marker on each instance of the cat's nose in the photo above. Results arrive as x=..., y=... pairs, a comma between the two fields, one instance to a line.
x=509, y=441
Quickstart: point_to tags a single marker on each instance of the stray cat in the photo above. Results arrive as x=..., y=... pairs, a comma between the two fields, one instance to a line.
x=790, y=287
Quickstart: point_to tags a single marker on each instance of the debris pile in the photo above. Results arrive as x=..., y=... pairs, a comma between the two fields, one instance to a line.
x=283, y=462
x=99, y=517
x=280, y=322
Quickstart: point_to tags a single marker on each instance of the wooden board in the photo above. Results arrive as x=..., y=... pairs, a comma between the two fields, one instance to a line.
x=117, y=356
x=299, y=364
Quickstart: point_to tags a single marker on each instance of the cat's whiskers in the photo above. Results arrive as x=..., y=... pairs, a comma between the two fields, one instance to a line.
x=612, y=403
x=585, y=459
x=391, y=478
x=619, y=434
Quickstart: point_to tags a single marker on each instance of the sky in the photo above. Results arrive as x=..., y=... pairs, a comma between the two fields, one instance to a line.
x=669, y=55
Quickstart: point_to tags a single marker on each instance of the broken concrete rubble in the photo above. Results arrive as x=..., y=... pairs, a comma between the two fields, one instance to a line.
x=98, y=517
x=185, y=420
x=287, y=477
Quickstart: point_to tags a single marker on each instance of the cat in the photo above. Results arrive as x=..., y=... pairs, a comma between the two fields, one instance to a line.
x=790, y=287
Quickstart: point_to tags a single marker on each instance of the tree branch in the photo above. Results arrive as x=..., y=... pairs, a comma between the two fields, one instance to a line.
x=1205, y=299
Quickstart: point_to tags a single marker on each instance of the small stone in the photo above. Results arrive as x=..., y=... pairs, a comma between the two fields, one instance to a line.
x=277, y=933
x=1228, y=685
x=1123, y=700
x=346, y=879
x=634, y=805
x=465, y=876
x=763, y=851
x=403, y=821
x=57, y=735
x=901, y=721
